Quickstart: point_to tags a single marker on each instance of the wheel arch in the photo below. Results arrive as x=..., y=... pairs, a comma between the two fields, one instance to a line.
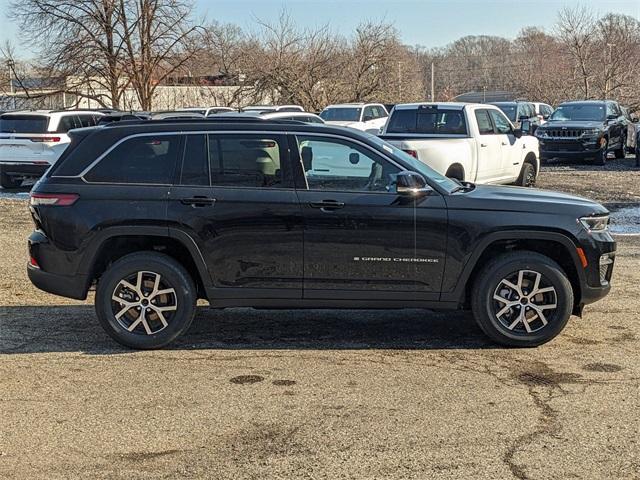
x=456, y=168
x=115, y=242
x=554, y=245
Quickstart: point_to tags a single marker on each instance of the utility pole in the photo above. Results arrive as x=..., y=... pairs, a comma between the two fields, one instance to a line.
x=433, y=97
x=607, y=70
x=400, y=81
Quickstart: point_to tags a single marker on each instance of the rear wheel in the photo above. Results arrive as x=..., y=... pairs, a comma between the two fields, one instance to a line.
x=145, y=300
x=522, y=299
x=8, y=181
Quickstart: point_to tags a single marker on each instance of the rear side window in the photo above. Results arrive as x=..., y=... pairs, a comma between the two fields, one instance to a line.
x=484, y=122
x=68, y=122
x=248, y=161
x=139, y=160
x=23, y=123
x=428, y=120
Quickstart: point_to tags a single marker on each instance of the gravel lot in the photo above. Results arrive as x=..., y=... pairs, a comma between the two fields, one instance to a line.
x=322, y=394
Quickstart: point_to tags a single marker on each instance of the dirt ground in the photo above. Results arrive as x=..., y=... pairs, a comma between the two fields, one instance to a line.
x=322, y=394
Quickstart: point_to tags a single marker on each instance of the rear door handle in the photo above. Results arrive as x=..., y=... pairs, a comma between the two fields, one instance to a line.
x=198, y=201
x=327, y=205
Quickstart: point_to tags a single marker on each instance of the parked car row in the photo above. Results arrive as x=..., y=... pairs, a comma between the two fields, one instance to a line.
x=499, y=142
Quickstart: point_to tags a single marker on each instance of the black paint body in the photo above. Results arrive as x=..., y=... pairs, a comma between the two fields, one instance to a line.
x=270, y=247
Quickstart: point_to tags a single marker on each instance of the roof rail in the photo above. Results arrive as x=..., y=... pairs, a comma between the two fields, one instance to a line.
x=254, y=120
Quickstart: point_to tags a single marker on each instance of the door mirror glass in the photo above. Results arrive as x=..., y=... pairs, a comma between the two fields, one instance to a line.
x=411, y=184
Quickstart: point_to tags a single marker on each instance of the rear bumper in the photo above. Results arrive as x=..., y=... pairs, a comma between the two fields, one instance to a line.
x=64, y=286
x=25, y=169
x=54, y=274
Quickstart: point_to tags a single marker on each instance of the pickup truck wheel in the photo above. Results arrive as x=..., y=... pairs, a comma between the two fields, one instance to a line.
x=145, y=300
x=8, y=181
x=527, y=176
x=522, y=299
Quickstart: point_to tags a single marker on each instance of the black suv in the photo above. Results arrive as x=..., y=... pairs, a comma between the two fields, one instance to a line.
x=585, y=130
x=281, y=214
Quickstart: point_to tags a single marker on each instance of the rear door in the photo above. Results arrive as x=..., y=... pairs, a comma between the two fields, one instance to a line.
x=361, y=240
x=234, y=196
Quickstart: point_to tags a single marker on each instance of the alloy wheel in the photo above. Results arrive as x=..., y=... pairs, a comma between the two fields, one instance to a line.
x=144, y=303
x=524, y=302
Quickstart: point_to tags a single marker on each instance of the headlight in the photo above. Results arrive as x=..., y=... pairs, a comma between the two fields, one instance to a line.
x=594, y=132
x=595, y=224
x=540, y=133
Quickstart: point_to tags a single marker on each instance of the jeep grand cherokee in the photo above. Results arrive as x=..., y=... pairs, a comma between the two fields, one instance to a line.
x=280, y=214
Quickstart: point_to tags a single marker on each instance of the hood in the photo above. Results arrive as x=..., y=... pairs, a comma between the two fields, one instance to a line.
x=571, y=124
x=526, y=200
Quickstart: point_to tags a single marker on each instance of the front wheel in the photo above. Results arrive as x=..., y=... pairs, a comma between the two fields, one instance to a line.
x=601, y=159
x=527, y=176
x=145, y=300
x=522, y=299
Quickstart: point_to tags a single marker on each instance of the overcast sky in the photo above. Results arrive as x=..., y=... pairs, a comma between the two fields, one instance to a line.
x=431, y=23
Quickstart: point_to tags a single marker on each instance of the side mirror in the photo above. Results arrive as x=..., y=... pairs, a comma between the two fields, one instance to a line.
x=613, y=116
x=545, y=117
x=517, y=132
x=411, y=184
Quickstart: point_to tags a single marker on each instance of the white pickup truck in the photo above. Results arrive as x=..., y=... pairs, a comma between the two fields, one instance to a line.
x=469, y=142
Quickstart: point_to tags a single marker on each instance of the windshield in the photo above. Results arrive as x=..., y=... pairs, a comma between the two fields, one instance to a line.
x=509, y=110
x=580, y=112
x=23, y=124
x=341, y=114
x=423, y=169
x=429, y=120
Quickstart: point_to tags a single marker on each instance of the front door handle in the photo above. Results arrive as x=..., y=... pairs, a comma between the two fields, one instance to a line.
x=327, y=205
x=198, y=201
x=483, y=145
x=504, y=144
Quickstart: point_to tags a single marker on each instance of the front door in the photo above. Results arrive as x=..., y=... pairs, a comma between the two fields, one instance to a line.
x=235, y=197
x=489, y=149
x=361, y=240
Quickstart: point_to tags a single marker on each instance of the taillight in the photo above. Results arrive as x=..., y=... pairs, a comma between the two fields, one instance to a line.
x=53, y=199
x=413, y=153
x=45, y=139
x=33, y=262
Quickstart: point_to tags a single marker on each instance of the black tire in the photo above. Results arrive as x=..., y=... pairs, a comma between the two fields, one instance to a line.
x=601, y=159
x=7, y=181
x=149, y=332
x=527, y=176
x=486, y=308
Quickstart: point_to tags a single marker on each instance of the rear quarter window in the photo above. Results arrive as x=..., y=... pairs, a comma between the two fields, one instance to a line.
x=149, y=159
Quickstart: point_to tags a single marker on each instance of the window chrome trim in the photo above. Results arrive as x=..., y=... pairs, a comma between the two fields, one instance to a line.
x=93, y=164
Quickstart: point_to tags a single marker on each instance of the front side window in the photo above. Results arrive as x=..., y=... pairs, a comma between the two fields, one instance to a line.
x=502, y=124
x=484, y=122
x=248, y=160
x=340, y=165
x=368, y=114
x=148, y=159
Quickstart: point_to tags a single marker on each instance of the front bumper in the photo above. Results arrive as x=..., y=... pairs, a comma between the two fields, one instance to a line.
x=576, y=149
x=600, y=252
